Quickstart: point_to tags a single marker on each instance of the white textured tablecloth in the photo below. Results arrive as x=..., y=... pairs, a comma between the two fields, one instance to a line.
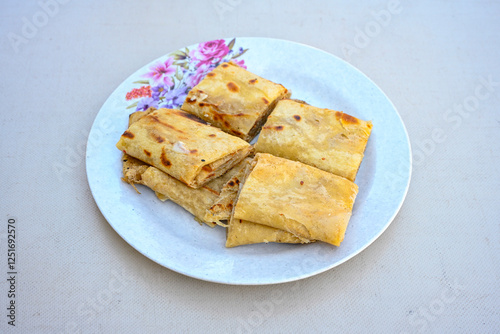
x=436, y=269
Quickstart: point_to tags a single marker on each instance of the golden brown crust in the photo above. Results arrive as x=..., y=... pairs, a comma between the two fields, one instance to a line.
x=196, y=201
x=137, y=115
x=210, y=203
x=234, y=99
x=133, y=168
x=242, y=232
x=301, y=199
x=327, y=139
x=183, y=146
x=199, y=201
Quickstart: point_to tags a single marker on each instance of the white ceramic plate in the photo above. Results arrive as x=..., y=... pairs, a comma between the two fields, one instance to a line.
x=168, y=235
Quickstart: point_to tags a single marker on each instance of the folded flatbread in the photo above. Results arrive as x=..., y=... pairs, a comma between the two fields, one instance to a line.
x=183, y=146
x=134, y=168
x=234, y=99
x=210, y=203
x=201, y=201
x=291, y=196
x=242, y=232
x=204, y=203
x=327, y=139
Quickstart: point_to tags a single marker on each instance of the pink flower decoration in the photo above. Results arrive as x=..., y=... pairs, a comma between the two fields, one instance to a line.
x=208, y=51
x=201, y=71
x=240, y=63
x=161, y=72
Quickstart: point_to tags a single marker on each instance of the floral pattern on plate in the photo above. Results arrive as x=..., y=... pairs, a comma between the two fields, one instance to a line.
x=168, y=82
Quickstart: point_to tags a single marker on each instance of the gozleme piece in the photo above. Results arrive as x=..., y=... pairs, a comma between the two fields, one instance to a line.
x=292, y=196
x=330, y=140
x=209, y=204
x=198, y=201
x=234, y=99
x=134, y=168
x=183, y=146
x=221, y=209
x=241, y=232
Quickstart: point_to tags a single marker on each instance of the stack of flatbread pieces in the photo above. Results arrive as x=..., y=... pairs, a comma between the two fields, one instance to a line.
x=295, y=185
x=184, y=160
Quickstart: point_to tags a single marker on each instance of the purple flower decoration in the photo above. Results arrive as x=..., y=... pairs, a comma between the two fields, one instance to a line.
x=161, y=72
x=146, y=103
x=175, y=97
x=158, y=91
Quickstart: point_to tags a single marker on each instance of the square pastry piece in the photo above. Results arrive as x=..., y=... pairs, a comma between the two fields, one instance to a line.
x=183, y=146
x=297, y=198
x=327, y=139
x=234, y=99
x=209, y=203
